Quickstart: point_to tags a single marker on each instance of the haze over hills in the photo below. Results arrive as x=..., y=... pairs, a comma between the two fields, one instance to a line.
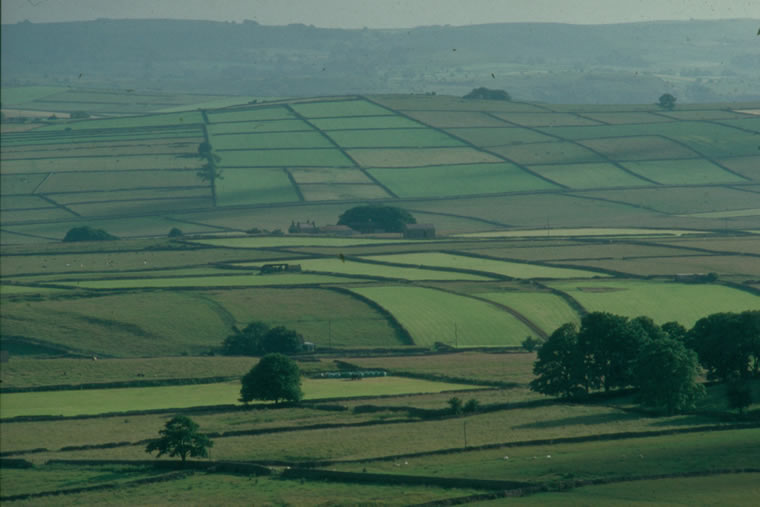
x=698, y=61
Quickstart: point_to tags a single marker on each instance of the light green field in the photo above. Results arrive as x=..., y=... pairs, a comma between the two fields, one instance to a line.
x=101, y=163
x=339, y=108
x=208, y=281
x=499, y=136
x=505, y=268
x=366, y=122
x=24, y=202
x=449, y=119
x=393, y=138
x=598, y=175
x=352, y=268
x=331, y=192
x=18, y=95
x=253, y=114
x=745, y=123
x=683, y=172
x=284, y=158
x=255, y=185
x=100, y=401
x=20, y=183
x=727, y=214
x=639, y=148
x=270, y=140
x=413, y=157
x=8, y=290
x=662, y=301
x=454, y=180
x=547, y=153
x=544, y=119
x=94, y=137
x=290, y=241
x=548, y=311
x=118, y=180
x=433, y=316
x=625, y=117
x=215, y=129
x=597, y=231
x=182, y=118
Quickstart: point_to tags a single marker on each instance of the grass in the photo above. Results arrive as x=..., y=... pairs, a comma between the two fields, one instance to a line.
x=449, y=119
x=326, y=175
x=293, y=241
x=683, y=172
x=100, y=163
x=118, y=180
x=217, y=129
x=505, y=268
x=393, y=138
x=102, y=401
x=339, y=108
x=746, y=166
x=617, y=118
x=546, y=119
x=413, y=157
x=500, y=136
x=548, y=311
x=594, y=175
x=663, y=302
x=547, y=153
x=259, y=185
x=720, y=264
x=433, y=316
x=208, y=281
x=455, y=180
x=155, y=120
x=270, y=140
x=248, y=115
x=639, y=148
x=365, y=122
x=284, y=158
x=345, y=192
x=20, y=183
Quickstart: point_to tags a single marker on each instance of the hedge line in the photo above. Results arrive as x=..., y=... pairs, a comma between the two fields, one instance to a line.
x=119, y=384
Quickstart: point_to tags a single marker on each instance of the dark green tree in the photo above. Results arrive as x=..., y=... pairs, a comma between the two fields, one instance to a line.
x=667, y=101
x=246, y=342
x=666, y=375
x=559, y=365
x=275, y=378
x=727, y=344
x=86, y=233
x=282, y=340
x=180, y=437
x=487, y=94
x=176, y=232
x=738, y=392
x=376, y=217
x=456, y=406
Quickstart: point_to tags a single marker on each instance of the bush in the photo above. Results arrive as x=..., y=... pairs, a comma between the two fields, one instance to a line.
x=530, y=344
x=87, y=233
x=487, y=94
x=455, y=405
x=176, y=233
x=471, y=406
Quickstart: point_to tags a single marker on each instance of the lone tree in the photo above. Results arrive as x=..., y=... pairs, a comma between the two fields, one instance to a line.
x=258, y=338
x=487, y=94
x=376, y=218
x=276, y=378
x=180, y=437
x=667, y=101
x=87, y=233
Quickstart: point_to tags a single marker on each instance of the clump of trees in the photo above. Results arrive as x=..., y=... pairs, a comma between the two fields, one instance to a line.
x=667, y=102
x=210, y=170
x=610, y=352
x=258, y=338
x=87, y=233
x=275, y=378
x=487, y=94
x=376, y=218
x=180, y=437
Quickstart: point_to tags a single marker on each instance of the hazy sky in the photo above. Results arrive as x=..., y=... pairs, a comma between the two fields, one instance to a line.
x=382, y=13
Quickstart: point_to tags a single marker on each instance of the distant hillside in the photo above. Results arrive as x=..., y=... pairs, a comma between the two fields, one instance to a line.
x=698, y=61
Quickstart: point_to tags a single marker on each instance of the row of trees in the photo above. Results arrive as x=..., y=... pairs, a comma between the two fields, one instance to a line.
x=258, y=338
x=613, y=352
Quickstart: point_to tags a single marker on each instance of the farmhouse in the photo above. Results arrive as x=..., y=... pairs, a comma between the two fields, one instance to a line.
x=419, y=231
x=268, y=269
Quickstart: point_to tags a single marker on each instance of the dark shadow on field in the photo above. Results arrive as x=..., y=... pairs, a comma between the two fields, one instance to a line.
x=686, y=420
x=580, y=419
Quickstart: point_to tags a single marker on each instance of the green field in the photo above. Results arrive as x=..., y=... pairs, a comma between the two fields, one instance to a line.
x=339, y=108
x=250, y=127
x=248, y=115
x=282, y=157
x=254, y=185
x=495, y=136
x=393, y=138
x=598, y=175
x=103, y=401
x=548, y=311
x=433, y=316
x=365, y=122
x=171, y=119
x=406, y=157
x=269, y=141
x=451, y=180
x=548, y=153
x=662, y=302
x=683, y=172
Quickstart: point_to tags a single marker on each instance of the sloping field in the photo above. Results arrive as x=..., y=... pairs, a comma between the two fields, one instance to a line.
x=452, y=180
x=257, y=127
x=269, y=140
x=254, y=185
x=592, y=175
x=683, y=172
x=393, y=138
x=252, y=114
x=548, y=153
x=339, y=108
x=548, y=311
x=344, y=192
x=433, y=316
x=663, y=302
x=504, y=268
x=499, y=136
x=406, y=157
x=284, y=158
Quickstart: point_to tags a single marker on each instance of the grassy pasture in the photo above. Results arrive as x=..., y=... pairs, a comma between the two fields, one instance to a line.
x=327, y=175
x=140, y=207
x=130, y=195
x=683, y=172
x=101, y=163
x=245, y=280
x=452, y=180
x=352, y=268
x=723, y=265
x=115, y=180
x=249, y=115
x=159, y=145
x=293, y=241
x=345, y=192
x=681, y=200
x=618, y=118
x=737, y=244
x=92, y=137
x=448, y=119
x=547, y=153
x=20, y=183
x=548, y=311
x=208, y=489
x=663, y=302
x=499, y=136
x=706, y=114
x=100, y=401
x=20, y=202
x=51, y=214
x=744, y=123
x=406, y=157
x=746, y=166
x=545, y=119
x=449, y=103
x=284, y=158
x=260, y=185
x=13, y=96
x=393, y=138
x=270, y=140
x=328, y=109
x=217, y=129
x=590, y=175
x=638, y=148
x=433, y=316
x=505, y=268
x=154, y=120
x=366, y=122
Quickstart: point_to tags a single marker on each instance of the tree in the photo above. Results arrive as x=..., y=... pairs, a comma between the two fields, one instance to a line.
x=180, y=437
x=530, y=344
x=246, y=342
x=666, y=373
x=86, y=233
x=209, y=171
x=283, y=340
x=667, y=101
x=456, y=406
x=176, y=232
x=487, y=94
x=376, y=217
x=738, y=392
x=727, y=344
x=275, y=378
x=559, y=365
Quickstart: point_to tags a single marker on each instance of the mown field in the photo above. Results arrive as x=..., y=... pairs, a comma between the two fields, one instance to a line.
x=542, y=214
